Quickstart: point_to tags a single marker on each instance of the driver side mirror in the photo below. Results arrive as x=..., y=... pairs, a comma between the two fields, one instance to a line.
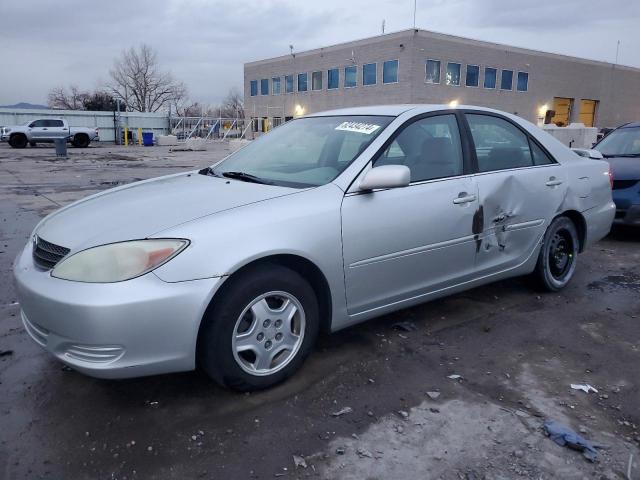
x=386, y=176
x=588, y=153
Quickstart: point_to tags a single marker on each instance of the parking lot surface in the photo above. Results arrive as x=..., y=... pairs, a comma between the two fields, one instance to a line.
x=373, y=401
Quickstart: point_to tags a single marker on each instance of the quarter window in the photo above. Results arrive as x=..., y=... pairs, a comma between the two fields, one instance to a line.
x=350, y=76
x=275, y=85
x=499, y=144
x=316, y=81
x=302, y=82
x=523, y=81
x=333, y=78
x=369, y=74
x=390, y=71
x=432, y=71
x=430, y=147
x=506, y=80
x=473, y=76
x=490, y=75
x=288, y=83
x=254, y=88
x=453, y=74
x=539, y=157
x=264, y=86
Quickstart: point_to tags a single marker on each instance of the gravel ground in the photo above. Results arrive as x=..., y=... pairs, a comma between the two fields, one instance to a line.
x=516, y=351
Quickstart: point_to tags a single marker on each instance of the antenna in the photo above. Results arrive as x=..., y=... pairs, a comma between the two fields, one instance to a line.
x=383, y=26
x=291, y=51
x=617, y=51
x=415, y=6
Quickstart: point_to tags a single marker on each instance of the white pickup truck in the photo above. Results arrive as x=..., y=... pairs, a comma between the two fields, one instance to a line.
x=47, y=130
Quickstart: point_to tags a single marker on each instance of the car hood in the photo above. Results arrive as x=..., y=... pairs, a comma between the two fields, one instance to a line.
x=625, y=168
x=139, y=210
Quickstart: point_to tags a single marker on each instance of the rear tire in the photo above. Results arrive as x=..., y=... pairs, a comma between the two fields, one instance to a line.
x=80, y=140
x=558, y=255
x=18, y=140
x=259, y=330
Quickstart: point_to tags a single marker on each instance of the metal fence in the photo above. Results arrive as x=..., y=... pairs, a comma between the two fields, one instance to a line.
x=207, y=127
x=158, y=123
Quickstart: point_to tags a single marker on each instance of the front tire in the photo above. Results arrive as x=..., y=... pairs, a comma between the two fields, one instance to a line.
x=18, y=140
x=260, y=328
x=558, y=255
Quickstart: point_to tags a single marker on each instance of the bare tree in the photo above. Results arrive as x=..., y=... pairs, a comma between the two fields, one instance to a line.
x=73, y=99
x=136, y=79
x=233, y=104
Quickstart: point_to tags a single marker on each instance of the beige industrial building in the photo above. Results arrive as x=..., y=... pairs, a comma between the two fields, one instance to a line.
x=418, y=66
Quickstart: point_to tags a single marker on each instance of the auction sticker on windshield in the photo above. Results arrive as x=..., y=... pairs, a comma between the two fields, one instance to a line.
x=358, y=127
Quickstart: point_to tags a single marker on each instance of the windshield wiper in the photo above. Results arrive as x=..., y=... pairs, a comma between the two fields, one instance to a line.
x=207, y=171
x=629, y=155
x=246, y=177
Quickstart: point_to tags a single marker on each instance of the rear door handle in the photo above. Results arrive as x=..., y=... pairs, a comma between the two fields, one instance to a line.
x=464, y=198
x=553, y=182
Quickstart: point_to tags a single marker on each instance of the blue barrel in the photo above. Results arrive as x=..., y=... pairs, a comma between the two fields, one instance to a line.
x=147, y=139
x=61, y=147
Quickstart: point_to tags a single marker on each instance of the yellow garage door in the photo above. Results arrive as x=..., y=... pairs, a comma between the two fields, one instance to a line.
x=588, y=112
x=562, y=107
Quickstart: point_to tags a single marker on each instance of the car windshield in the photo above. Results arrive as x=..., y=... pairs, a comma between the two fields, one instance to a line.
x=621, y=142
x=305, y=152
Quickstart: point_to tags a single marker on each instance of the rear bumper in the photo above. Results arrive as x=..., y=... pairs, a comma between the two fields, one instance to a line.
x=143, y=326
x=598, y=220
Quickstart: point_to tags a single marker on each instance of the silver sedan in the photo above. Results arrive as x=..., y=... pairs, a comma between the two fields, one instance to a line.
x=325, y=222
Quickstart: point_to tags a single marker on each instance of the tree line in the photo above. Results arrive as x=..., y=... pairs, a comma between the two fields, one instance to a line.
x=138, y=82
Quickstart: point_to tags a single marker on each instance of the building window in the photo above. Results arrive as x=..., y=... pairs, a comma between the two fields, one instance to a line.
x=316, y=81
x=254, y=88
x=333, y=78
x=432, y=69
x=369, y=74
x=453, y=74
x=275, y=85
x=523, y=81
x=302, y=82
x=288, y=83
x=490, y=75
x=506, y=80
x=350, y=76
x=264, y=86
x=473, y=76
x=390, y=71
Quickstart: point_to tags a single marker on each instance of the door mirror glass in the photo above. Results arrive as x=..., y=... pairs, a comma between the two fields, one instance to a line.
x=386, y=176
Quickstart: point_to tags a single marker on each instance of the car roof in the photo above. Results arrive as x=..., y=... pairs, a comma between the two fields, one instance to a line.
x=397, y=110
x=630, y=125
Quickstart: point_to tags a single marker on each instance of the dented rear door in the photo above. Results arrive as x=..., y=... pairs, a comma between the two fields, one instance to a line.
x=520, y=190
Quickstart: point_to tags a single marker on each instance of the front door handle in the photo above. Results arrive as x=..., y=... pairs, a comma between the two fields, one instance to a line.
x=463, y=197
x=553, y=182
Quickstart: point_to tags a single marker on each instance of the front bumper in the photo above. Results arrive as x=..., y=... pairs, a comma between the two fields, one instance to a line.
x=628, y=216
x=143, y=326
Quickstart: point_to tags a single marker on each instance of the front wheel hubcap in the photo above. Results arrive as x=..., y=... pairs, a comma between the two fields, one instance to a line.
x=268, y=333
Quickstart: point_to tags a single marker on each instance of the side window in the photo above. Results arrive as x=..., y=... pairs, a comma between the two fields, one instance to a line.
x=430, y=147
x=499, y=144
x=54, y=123
x=539, y=157
x=38, y=124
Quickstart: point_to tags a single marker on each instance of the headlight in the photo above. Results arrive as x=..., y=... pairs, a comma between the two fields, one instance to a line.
x=118, y=261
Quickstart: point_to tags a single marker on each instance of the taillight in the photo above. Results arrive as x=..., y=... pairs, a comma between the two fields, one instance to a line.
x=610, y=177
